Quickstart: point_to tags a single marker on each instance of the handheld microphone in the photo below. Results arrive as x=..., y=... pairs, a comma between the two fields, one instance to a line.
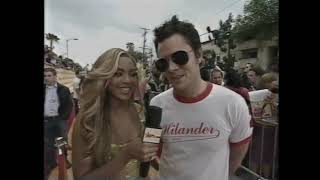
x=152, y=133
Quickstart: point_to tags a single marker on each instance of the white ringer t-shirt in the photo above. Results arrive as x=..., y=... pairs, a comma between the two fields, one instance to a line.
x=197, y=133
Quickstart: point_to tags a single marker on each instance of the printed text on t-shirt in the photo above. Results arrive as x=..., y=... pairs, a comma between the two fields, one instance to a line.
x=174, y=132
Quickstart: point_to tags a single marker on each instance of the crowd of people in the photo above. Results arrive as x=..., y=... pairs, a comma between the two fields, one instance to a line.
x=248, y=79
x=53, y=60
x=206, y=121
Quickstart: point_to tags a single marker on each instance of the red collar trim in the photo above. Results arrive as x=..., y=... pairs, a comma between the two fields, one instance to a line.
x=198, y=98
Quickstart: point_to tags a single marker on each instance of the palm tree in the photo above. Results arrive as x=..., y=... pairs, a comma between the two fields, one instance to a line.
x=52, y=38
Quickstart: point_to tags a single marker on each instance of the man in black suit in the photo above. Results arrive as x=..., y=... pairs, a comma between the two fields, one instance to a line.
x=57, y=108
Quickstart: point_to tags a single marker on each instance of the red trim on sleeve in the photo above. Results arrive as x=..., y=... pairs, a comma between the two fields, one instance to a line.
x=245, y=141
x=198, y=98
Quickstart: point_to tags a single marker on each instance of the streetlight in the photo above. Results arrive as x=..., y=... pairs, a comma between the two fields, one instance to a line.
x=67, y=41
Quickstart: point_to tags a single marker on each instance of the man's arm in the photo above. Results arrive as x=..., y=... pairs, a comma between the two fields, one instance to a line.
x=241, y=132
x=237, y=153
x=66, y=104
x=69, y=104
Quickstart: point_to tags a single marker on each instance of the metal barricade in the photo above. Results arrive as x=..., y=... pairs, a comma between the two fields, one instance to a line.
x=258, y=171
x=263, y=151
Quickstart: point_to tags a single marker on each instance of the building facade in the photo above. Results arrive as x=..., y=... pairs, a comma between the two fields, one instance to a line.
x=257, y=52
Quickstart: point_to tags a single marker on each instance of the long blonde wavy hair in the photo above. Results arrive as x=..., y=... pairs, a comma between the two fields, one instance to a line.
x=94, y=114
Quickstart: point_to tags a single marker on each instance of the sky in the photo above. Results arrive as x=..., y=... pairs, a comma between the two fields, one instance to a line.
x=103, y=24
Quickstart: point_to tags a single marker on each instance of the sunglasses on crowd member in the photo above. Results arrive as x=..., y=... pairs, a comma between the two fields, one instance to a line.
x=178, y=57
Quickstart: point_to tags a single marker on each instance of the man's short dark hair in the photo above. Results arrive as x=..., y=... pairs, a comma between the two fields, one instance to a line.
x=233, y=78
x=205, y=74
x=175, y=26
x=54, y=72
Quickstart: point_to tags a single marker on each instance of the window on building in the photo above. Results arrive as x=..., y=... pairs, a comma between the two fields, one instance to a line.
x=249, y=53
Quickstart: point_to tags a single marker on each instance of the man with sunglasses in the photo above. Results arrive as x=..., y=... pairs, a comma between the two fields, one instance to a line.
x=205, y=127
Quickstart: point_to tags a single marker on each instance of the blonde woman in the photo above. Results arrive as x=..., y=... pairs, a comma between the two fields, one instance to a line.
x=106, y=140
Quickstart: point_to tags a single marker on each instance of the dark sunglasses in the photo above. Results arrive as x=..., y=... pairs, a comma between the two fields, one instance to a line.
x=179, y=57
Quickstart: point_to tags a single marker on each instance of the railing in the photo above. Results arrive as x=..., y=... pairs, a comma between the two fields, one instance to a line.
x=256, y=165
x=262, y=155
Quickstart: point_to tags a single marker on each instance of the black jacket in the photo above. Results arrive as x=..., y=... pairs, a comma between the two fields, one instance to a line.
x=65, y=101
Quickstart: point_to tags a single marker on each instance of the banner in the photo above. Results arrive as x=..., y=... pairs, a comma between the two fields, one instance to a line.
x=259, y=106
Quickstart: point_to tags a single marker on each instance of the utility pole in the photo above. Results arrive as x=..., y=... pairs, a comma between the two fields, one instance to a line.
x=144, y=44
x=147, y=54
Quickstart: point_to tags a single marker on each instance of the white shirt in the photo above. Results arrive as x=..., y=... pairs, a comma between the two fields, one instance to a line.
x=76, y=86
x=197, y=133
x=51, y=103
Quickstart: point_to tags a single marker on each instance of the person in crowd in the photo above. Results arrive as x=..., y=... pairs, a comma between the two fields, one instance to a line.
x=76, y=90
x=254, y=76
x=155, y=81
x=217, y=77
x=206, y=127
x=248, y=67
x=233, y=82
x=49, y=56
x=106, y=139
x=57, y=109
x=245, y=82
x=165, y=85
x=144, y=88
x=267, y=79
x=205, y=74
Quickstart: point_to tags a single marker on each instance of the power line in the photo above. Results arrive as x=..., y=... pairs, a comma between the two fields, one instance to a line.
x=237, y=11
x=225, y=8
x=230, y=5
